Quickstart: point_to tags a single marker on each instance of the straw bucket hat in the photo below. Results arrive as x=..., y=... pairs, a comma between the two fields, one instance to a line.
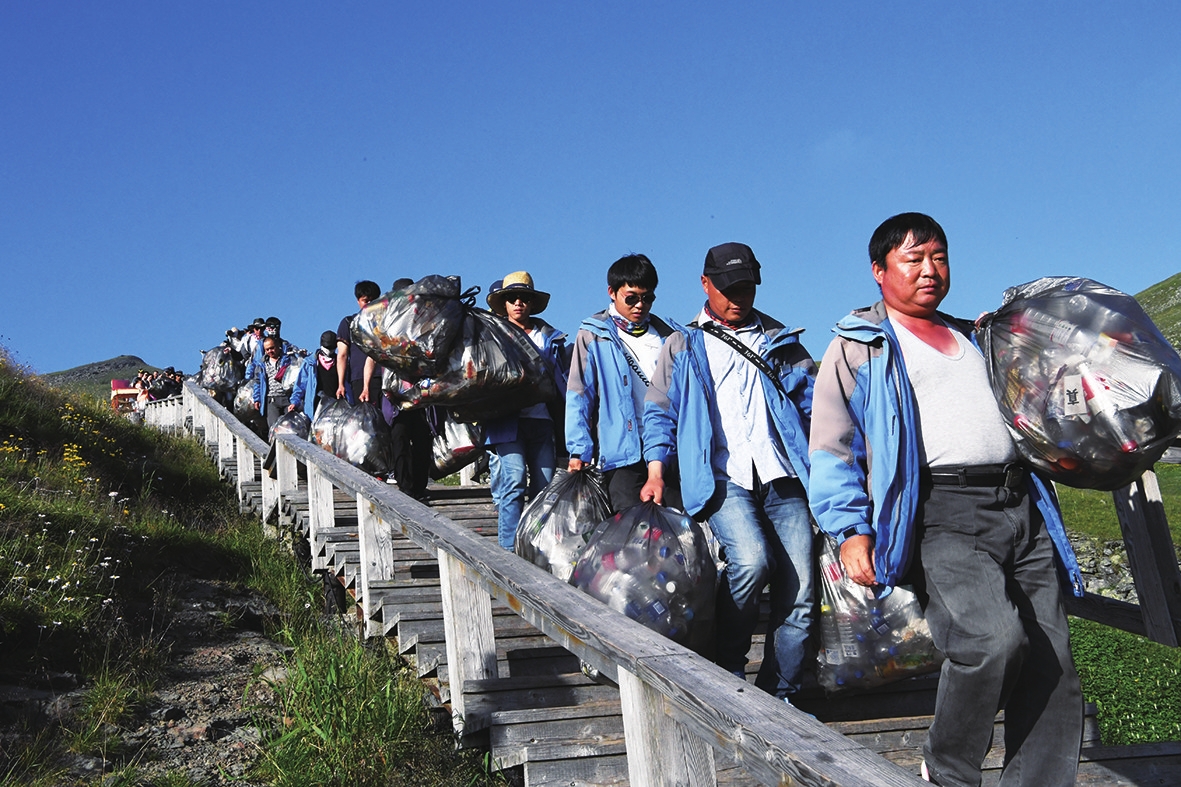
x=519, y=282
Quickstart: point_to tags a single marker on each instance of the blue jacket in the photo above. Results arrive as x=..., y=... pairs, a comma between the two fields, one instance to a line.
x=260, y=374
x=553, y=352
x=600, y=408
x=307, y=386
x=677, y=409
x=865, y=449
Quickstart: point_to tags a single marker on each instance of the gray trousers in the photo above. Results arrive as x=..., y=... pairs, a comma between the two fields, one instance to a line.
x=992, y=599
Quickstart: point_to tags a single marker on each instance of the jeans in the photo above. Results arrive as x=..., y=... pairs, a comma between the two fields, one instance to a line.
x=992, y=599
x=767, y=538
x=531, y=453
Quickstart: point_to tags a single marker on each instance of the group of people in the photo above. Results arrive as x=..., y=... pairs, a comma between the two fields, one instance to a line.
x=894, y=446
x=157, y=385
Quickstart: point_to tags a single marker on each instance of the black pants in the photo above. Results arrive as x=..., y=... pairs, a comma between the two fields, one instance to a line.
x=412, y=452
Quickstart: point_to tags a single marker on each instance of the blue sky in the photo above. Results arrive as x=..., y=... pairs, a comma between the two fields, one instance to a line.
x=169, y=169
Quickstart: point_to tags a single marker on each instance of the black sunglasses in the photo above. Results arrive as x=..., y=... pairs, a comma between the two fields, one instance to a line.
x=523, y=297
x=633, y=299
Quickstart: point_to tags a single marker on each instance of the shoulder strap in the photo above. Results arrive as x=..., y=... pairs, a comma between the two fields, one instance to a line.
x=745, y=352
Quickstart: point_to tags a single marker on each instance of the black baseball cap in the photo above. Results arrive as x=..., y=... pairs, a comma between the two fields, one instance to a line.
x=730, y=264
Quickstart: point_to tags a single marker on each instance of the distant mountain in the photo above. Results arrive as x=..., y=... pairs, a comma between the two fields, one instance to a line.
x=1163, y=303
x=94, y=379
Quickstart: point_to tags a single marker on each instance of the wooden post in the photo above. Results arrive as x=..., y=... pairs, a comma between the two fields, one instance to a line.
x=321, y=513
x=659, y=750
x=467, y=626
x=245, y=473
x=1152, y=557
x=287, y=467
x=377, y=563
x=225, y=446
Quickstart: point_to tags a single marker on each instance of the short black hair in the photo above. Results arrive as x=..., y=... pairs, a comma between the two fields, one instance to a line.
x=893, y=232
x=401, y=284
x=366, y=289
x=634, y=269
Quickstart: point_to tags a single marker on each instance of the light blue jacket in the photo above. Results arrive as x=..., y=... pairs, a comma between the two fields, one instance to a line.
x=865, y=449
x=600, y=409
x=307, y=386
x=677, y=409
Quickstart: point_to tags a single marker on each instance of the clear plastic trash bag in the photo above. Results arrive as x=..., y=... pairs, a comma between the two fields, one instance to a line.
x=356, y=433
x=411, y=330
x=493, y=370
x=295, y=422
x=244, y=401
x=455, y=445
x=653, y=564
x=866, y=641
x=556, y=524
x=221, y=370
x=1089, y=387
x=291, y=372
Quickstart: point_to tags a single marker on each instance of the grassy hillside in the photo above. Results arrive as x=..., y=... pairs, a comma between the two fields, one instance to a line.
x=93, y=380
x=1162, y=301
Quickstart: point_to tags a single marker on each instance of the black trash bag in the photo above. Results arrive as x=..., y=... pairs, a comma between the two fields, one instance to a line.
x=454, y=445
x=411, y=330
x=866, y=641
x=653, y=564
x=221, y=369
x=295, y=422
x=493, y=370
x=1089, y=387
x=556, y=524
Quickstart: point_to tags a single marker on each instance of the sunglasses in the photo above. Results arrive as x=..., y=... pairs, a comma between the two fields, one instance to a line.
x=633, y=299
x=522, y=297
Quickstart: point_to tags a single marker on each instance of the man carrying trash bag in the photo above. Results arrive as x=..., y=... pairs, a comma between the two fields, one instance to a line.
x=914, y=472
x=732, y=398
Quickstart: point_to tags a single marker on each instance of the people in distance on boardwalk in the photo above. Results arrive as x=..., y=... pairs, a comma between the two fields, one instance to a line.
x=524, y=442
x=615, y=353
x=731, y=397
x=915, y=474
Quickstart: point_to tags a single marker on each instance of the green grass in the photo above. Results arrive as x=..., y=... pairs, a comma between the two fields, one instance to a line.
x=1135, y=683
x=1092, y=513
x=94, y=512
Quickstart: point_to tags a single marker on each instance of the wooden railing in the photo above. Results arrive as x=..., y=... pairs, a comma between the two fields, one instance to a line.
x=677, y=706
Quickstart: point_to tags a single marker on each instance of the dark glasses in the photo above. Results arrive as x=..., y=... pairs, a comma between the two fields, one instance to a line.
x=633, y=299
x=522, y=297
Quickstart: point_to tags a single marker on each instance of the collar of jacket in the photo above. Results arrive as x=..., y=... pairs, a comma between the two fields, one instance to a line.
x=600, y=324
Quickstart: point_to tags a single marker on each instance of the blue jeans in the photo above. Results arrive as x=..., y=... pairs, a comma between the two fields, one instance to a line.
x=994, y=606
x=532, y=453
x=767, y=537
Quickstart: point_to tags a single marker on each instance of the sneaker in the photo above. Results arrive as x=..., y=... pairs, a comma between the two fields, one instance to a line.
x=925, y=773
x=390, y=480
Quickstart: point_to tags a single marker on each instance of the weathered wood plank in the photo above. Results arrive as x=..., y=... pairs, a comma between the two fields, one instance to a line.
x=471, y=642
x=659, y=749
x=376, y=561
x=1151, y=557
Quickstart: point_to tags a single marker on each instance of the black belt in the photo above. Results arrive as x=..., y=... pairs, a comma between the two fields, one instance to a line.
x=1010, y=476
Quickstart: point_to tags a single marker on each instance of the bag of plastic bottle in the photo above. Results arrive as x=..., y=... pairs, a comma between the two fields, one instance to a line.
x=291, y=371
x=411, y=330
x=493, y=370
x=556, y=524
x=295, y=422
x=455, y=445
x=221, y=369
x=653, y=564
x=328, y=424
x=1089, y=387
x=244, y=401
x=866, y=641
x=356, y=433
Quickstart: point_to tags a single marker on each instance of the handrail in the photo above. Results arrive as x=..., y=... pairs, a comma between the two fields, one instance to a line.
x=677, y=706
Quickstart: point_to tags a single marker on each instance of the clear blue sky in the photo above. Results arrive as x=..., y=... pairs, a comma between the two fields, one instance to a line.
x=170, y=169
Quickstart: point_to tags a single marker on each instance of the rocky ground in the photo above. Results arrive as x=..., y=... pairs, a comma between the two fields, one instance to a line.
x=200, y=722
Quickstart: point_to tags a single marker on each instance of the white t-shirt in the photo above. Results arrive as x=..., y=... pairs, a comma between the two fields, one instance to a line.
x=959, y=421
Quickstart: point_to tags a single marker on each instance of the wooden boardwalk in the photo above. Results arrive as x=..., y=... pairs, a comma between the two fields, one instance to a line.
x=536, y=711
